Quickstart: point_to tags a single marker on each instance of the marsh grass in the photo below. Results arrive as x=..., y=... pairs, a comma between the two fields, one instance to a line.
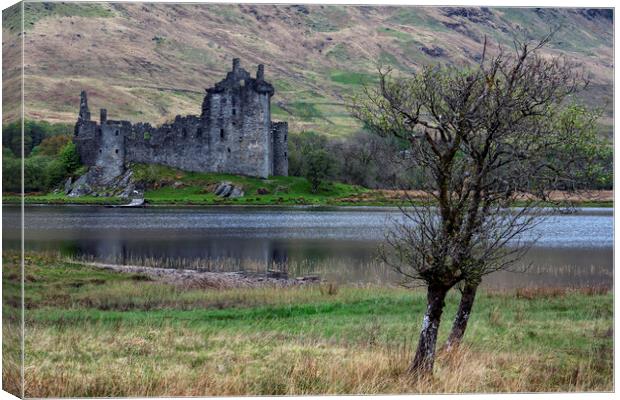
x=174, y=361
x=350, y=271
x=92, y=332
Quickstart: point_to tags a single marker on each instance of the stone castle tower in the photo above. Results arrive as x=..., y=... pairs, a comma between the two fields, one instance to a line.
x=234, y=134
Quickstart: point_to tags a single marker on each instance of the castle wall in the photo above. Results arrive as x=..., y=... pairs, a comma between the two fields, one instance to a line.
x=87, y=140
x=240, y=128
x=234, y=134
x=181, y=144
x=111, y=154
x=279, y=132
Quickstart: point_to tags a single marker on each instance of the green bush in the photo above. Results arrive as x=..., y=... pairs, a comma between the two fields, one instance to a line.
x=70, y=158
x=51, y=146
x=318, y=166
x=42, y=172
x=35, y=173
x=34, y=134
x=11, y=172
x=55, y=173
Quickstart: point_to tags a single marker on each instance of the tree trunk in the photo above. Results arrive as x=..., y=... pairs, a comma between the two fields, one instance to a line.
x=462, y=316
x=424, y=358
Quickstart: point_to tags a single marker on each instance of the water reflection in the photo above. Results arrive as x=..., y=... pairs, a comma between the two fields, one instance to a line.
x=339, y=244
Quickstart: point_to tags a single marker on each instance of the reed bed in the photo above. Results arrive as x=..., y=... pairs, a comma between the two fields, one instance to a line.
x=373, y=271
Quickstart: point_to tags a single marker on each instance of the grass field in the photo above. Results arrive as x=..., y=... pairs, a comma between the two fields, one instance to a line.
x=169, y=186
x=95, y=333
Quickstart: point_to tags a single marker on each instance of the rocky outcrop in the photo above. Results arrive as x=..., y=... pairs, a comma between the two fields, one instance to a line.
x=473, y=14
x=93, y=184
x=433, y=51
x=228, y=190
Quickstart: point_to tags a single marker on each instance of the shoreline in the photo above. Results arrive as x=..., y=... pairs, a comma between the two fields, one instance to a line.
x=29, y=202
x=195, y=279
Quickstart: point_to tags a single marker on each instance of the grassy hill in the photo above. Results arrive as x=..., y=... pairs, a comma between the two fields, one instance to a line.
x=149, y=62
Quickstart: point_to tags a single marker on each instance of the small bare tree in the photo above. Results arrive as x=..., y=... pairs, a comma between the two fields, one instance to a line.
x=487, y=137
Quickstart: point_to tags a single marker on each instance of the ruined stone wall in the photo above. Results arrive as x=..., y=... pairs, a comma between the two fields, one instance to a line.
x=236, y=113
x=279, y=132
x=238, y=123
x=234, y=134
x=87, y=140
x=181, y=144
x=111, y=157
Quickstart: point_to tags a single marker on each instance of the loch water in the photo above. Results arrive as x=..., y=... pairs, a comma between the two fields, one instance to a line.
x=340, y=244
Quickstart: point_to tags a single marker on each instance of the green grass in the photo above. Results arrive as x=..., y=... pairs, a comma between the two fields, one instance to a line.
x=353, y=78
x=339, y=52
x=58, y=198
x=34, y=11
x=170, y=186
x=79, y=317
x=413, y=16
x=389, y=59
x=57, y=290
x=197, y=188
x=306, y=111
x=400, y=35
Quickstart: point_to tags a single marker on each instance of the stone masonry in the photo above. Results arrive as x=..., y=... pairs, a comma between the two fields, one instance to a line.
x=234, y=134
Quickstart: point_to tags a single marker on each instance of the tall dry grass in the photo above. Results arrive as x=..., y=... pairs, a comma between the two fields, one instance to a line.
x=99, y=336
x=181, y=362
x=11, y=354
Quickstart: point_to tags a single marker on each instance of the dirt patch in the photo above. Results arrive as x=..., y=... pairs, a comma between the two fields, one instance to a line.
x=193, y=279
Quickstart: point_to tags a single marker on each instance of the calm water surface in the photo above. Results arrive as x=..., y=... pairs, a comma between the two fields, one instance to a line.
x=339, y=244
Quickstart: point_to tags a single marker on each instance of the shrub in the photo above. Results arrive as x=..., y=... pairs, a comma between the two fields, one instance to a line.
x=318, y=166
x=11, y=172
x=70, y=158
x=35, y=173
x=51, y=146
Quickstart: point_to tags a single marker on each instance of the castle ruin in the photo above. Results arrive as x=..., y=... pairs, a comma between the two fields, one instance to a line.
x=233, y=134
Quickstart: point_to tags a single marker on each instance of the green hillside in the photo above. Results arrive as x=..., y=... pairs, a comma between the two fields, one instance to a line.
x=149, y=62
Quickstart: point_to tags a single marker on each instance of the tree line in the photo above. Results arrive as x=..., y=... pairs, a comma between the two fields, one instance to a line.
x=363, y=159
x=50, y=156
x=377, y=162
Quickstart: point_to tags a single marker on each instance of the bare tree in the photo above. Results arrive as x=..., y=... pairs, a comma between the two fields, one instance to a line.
x=487, y=137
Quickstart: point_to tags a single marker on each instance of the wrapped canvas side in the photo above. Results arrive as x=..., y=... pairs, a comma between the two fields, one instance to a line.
x=12, y=186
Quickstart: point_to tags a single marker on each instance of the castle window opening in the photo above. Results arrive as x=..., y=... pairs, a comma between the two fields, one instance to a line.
x=116, y=151
x=234, y=111
x=222, y=133
x=116, y=132
x=229, y=149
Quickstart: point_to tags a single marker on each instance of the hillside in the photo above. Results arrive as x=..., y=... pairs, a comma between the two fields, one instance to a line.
x=150, y=62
